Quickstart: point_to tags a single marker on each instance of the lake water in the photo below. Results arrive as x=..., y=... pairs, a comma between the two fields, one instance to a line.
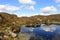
x=44, y=32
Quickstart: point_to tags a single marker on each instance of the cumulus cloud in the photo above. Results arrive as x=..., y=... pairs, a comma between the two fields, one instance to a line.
x=27, y=2
x=9, y=8
x=0, y=11
x=57, y=1
x=30, y=8
x=12, y=8
x=48, y=9
x=59, y=5
x=36, y=14
x=44, y=14
x=26, y=7
x=2, y=7
x=23, y=15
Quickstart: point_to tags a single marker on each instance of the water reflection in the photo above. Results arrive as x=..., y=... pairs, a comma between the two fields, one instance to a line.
x=50, y=32
x=50, y=28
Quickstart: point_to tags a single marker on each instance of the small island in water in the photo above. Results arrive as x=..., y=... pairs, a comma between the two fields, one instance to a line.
x=11, y=24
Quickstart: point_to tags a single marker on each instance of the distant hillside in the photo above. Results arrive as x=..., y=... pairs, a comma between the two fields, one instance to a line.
x=33, y=20
x=11, y=20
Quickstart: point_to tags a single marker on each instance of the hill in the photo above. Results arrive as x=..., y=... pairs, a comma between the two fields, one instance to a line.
x=14, y=22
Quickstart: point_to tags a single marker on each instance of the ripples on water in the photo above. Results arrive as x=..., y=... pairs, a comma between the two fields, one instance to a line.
x=44, y=32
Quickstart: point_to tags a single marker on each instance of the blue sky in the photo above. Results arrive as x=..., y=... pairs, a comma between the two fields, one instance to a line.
x=30, y=7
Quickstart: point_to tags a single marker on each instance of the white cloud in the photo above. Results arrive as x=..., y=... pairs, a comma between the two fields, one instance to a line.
x=26, y=7
x=2, y=7
x=22, y=15
x=44, y=14
x=27, y=2
x=41, y=14
x=0, y=11
x=48, y=9
x=57, y=1
x=9, y=8
x=58, y=5
x=30, y=8
x=36, y=14
x=12, y=8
